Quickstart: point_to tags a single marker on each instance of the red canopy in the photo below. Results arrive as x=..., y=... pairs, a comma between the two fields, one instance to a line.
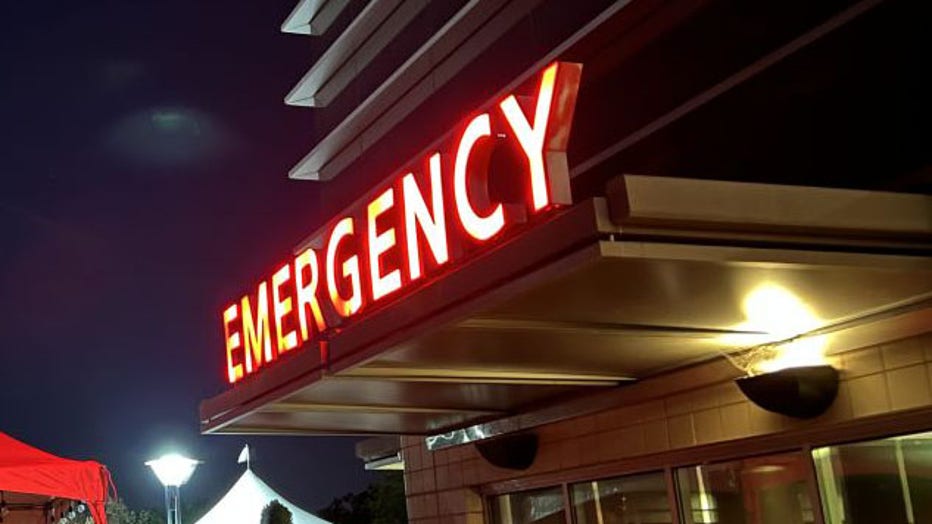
x=25, y=469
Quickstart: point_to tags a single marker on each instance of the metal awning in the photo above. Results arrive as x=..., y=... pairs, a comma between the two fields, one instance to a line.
x=654, y=277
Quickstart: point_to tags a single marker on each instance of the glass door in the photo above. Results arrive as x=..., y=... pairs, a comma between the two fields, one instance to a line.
x=760, y=490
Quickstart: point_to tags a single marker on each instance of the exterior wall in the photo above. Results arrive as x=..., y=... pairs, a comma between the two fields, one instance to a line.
x=443, y=486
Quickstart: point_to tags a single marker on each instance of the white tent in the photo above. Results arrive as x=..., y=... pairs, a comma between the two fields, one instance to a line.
x=244, y=502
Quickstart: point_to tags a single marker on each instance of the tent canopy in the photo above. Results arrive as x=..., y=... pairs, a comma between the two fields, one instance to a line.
x=25, y=469
x=245, y=501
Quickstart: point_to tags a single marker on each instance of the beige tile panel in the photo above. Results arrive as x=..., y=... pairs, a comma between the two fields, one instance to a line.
x=422, y=506
x=412, y=458
x=570, y=456
x=589, y=448
x=455, y=479
x=548, y=459
x=465, y=518
x=679, y=404
x=680, y=430
x=427, y=456
x=727, y=393
x=442, y=473
x=413, y=482
x=622, y=442
x=552, y=433
x=841, y=408
x=648, y=411
x=473, y=500
x=926, y=342
x=909, y=387
x=656, y=436
x=902, y=353
x=869, y=395
x=442, y=456
x=708, y=426
x=736, y=421
x=862, y=362
x=451, y=502
x=471, y=472
x=763, y=421
x=428, y=479
x=586, y=425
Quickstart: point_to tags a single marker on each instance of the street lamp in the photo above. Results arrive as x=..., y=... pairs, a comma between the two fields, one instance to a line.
x=173, y=470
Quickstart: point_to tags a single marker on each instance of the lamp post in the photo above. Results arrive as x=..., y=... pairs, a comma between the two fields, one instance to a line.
x=173, y=470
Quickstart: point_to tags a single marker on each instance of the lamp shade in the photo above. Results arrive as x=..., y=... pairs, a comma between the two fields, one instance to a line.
x=803, y=392
x=173, y=469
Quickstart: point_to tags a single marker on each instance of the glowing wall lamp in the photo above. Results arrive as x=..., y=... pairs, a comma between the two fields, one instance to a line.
x=173, y=470
x=801, y=392
x=790, y=377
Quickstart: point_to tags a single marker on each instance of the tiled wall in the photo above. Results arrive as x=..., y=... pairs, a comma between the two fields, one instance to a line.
x=441, y=486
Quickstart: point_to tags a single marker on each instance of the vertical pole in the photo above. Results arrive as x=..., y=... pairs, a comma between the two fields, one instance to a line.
x=168, y=505
x=176, y=495
x=904, y=481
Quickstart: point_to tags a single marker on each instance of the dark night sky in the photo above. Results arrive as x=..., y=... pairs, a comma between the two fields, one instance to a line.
x=143, y=183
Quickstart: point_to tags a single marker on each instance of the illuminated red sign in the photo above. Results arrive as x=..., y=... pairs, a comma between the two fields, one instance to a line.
x=506, y=166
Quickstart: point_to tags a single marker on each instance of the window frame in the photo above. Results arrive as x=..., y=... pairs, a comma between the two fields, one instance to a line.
x=799, y=440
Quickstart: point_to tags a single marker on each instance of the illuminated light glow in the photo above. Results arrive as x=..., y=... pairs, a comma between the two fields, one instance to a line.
x=234, y=371
x=173, y=469
x=345, y=307
x=478, y=227
x=307, y=293
x=281, y=308
x=805, y=351
x=776, y=310
x=379, y=243
x=256, y=331
x=531, y=137
x=773, y=309
x=431, y=222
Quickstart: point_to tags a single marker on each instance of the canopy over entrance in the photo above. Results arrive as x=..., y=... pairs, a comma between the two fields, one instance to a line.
x=660, y=274
x=36, y=478
x=245, y=501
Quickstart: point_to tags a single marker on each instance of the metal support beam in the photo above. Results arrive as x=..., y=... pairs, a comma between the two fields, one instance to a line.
x=596, y=328
x=307, y=407
x=480, y=376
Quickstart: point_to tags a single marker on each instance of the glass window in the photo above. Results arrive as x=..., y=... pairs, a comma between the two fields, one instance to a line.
x=635, y=499
x=544, y=506
x=761, y=490
x=887, y=481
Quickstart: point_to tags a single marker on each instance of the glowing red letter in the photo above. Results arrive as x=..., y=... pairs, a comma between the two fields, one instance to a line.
x=280, y=308
x=432, y=223
x=256, y=331
x=379, y=243
x=480, y=228
x=344, y=306
x=307, y=292
x=234, y=372
x=531, y=137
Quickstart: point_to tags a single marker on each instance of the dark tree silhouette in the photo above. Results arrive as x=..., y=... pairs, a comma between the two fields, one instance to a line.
x=383, y=502
x=276, y=513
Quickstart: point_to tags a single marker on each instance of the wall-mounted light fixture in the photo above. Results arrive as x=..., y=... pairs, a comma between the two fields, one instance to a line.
x=800, y=392
x=512, y=451
x=789, y=375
